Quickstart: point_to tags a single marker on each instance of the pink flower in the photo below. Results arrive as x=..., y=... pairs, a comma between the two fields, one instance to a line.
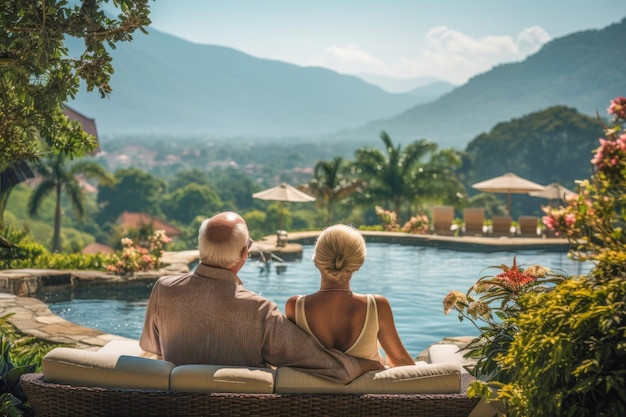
x=549, y=222
x=618, y=107
x=570, y=219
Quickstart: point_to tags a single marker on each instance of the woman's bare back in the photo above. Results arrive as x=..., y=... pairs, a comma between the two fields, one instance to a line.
x=336, y=317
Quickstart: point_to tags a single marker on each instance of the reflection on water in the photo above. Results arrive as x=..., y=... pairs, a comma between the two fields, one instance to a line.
x=414, y=279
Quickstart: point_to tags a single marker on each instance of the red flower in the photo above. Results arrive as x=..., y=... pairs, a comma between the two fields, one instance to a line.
x=514, y=278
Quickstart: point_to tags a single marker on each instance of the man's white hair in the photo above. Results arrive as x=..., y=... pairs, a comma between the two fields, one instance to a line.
x=224, y=254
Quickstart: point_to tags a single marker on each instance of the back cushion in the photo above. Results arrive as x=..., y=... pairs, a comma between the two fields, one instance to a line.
x=218, y=378
x=441, y=378
x=85, y=368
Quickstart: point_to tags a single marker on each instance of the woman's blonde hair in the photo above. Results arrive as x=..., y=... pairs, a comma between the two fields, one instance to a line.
x=339, y=251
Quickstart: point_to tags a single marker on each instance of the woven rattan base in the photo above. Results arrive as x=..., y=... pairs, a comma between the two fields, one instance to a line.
x=54, y=400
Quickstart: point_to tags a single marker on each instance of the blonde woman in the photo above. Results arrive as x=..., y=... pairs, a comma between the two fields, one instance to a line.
x=356, y=324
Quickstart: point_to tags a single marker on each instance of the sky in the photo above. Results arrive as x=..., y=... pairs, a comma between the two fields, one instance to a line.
x=451, y=40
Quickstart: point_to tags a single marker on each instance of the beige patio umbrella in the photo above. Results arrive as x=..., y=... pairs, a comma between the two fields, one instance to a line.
x=508, y=184
x=554, y=191
x=283, y=192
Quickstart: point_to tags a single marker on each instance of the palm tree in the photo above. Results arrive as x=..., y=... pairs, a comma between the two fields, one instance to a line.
x=437, y=179
x=330, y=185
x=389, y=176
x=57, y=178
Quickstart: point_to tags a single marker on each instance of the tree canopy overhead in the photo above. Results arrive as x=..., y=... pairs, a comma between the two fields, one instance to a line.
x=37, y=75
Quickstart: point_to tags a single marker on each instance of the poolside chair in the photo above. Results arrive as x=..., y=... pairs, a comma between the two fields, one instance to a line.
x=528, y=226
x=473, y=219
x=501, y=225
x=443, y=216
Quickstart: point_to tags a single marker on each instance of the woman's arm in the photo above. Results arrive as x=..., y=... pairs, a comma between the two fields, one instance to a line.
x=397, y=355
x=290, y=308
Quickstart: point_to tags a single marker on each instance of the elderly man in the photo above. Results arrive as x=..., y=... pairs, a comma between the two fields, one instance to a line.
x=207, y=316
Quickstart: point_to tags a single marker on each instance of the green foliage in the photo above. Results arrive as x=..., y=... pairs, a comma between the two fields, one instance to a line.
x=19, y=354
x=12, y=398
x=552, y=145
x=22, y=251
x=186, y=177
x=235, y=188
x=57, y=177
x=490, y=202
x=388, y=219
x=257, y=223
x=30, y=254
x=185, y=203
x=389, y=176
x=403, y=177
x=135, y=257
x=331, y=183
x=92, y=261
x=569, y=357
x=38, y=75
x=302, y=220
x=134, y=191
x=492, y=304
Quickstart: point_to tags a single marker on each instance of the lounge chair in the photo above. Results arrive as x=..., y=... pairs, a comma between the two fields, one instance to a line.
x=528, y=226
x=501, y=225
x=443, y=217
x=108, y=382
x=474, y=219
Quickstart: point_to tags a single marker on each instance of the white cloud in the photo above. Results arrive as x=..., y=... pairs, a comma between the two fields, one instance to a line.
x=351, y=59
x=445, y=53
x=531, y=39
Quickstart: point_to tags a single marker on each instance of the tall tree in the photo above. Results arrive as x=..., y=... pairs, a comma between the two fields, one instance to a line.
x=190, y=201
x=389, y=176
x=134, y=190
x=57, y=178
x=436, y=180
x=330, y=185
x=37, y=75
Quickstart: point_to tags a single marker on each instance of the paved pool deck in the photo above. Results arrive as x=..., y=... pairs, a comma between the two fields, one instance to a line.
x=19, y=287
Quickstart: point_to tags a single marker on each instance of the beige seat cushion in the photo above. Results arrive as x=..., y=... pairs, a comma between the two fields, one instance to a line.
x=127, y=347
x=219, y=378
x=108, y=370
x=122, y=347
x=449, y=353
x=442, y=378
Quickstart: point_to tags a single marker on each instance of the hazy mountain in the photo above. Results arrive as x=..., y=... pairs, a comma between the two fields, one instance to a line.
x=164, y=84
x=584, y=70
x=403, y=85
x=169, y=85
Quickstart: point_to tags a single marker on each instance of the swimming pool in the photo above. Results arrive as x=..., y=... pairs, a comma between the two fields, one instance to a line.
x=414, y=279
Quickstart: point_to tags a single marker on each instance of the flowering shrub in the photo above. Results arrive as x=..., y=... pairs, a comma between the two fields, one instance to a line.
x=593, y=221
x=560, y=220
x=563, y=352
x=416, y=224
x=157, y=244
x=489, y=304
x=388, y=218
x=136, y=258
x=568, y=356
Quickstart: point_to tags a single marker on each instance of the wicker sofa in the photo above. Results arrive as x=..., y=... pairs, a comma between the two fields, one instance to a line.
x=117, y=380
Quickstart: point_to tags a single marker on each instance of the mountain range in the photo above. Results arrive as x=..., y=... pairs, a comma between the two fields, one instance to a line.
x=164, y=85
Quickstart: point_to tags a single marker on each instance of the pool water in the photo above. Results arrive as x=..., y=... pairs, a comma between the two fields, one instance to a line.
x=414, y=279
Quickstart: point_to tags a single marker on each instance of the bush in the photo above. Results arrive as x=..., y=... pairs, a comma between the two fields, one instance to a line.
x=137, y=258
x=492, y=305
x=18, y=355
x=12, y=398
x=568, y=357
